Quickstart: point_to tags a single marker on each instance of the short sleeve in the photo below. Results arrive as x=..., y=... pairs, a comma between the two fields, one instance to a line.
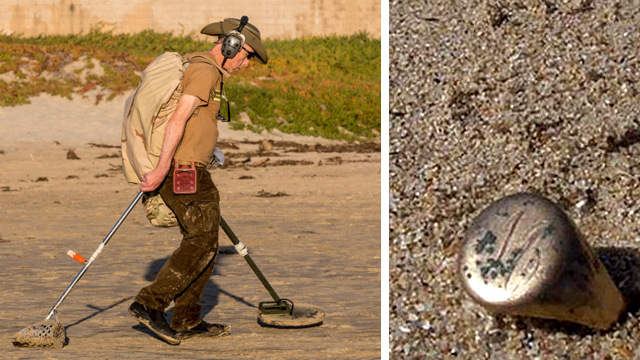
x=198, y=80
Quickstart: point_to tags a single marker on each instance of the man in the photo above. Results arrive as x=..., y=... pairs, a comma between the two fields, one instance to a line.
x=190, y=138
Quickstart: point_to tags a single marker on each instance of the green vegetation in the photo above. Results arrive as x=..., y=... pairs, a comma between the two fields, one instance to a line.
x=321, y=86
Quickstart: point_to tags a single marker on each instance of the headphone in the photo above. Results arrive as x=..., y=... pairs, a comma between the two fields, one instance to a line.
x=234, y=40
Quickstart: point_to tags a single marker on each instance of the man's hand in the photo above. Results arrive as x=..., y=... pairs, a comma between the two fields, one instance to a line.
x=152, y=180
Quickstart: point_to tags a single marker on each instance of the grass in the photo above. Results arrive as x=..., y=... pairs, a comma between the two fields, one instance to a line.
x=319, y=86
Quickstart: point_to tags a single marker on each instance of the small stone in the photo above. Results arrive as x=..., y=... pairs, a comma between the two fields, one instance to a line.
x=265, y=145
x=71, y=155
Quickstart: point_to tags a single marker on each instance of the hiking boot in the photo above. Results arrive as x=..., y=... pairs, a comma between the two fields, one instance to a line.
x=155, y=321
x=205, y=329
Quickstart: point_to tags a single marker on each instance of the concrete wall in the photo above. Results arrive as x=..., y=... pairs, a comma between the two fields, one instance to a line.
x=274, y=18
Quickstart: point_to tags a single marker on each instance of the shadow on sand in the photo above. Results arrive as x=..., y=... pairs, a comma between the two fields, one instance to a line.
x=209, y=297
x=211, y=291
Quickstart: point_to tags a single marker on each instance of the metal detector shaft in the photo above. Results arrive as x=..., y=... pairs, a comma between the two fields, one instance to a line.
x=242, y=250
x=95, y=254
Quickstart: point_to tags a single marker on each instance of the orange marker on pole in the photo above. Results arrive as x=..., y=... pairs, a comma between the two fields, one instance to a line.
x=76, y=257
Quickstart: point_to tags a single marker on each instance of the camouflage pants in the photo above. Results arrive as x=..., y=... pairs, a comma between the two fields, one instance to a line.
x=183, y=277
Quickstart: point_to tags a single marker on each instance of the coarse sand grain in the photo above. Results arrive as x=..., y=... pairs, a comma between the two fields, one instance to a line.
x=490, y=98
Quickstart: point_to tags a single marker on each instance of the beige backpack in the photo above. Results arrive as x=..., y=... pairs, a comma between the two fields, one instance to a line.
x=146, y=114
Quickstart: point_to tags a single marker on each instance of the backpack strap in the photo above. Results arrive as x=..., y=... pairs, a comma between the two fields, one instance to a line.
x=197, y=58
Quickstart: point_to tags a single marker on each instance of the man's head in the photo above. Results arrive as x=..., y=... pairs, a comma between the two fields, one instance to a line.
x=239, y=61
x=237, y=47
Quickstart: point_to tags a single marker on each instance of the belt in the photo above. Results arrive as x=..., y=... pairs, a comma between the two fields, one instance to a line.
x=188, y=163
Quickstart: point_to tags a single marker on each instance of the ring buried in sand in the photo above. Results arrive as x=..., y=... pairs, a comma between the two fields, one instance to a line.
x=524, y=256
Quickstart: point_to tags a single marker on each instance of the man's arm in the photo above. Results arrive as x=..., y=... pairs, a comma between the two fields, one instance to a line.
x=172, y=136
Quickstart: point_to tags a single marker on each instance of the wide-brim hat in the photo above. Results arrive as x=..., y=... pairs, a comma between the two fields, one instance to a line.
x=250, y=32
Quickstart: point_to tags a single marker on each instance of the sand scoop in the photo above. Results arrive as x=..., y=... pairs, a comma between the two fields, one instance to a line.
x=279, y=312
x=51, y=333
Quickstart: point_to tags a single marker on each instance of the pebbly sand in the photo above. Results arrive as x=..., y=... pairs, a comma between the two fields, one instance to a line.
x=489, y=98
x=310, y=218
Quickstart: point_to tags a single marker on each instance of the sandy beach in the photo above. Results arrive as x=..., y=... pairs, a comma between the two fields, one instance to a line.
x=308, y=211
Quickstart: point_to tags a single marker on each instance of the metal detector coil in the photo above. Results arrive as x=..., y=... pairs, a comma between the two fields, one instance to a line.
x=279, y=312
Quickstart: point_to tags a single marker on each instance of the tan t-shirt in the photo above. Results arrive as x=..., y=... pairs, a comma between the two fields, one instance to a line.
x=202, y=80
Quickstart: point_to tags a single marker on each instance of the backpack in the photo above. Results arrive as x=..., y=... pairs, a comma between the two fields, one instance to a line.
x=146, y=115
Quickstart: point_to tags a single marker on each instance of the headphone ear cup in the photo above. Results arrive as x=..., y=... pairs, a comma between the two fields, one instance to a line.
x=232, y=45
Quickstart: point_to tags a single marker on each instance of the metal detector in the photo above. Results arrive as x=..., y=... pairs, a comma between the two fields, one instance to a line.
x=279, y=312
